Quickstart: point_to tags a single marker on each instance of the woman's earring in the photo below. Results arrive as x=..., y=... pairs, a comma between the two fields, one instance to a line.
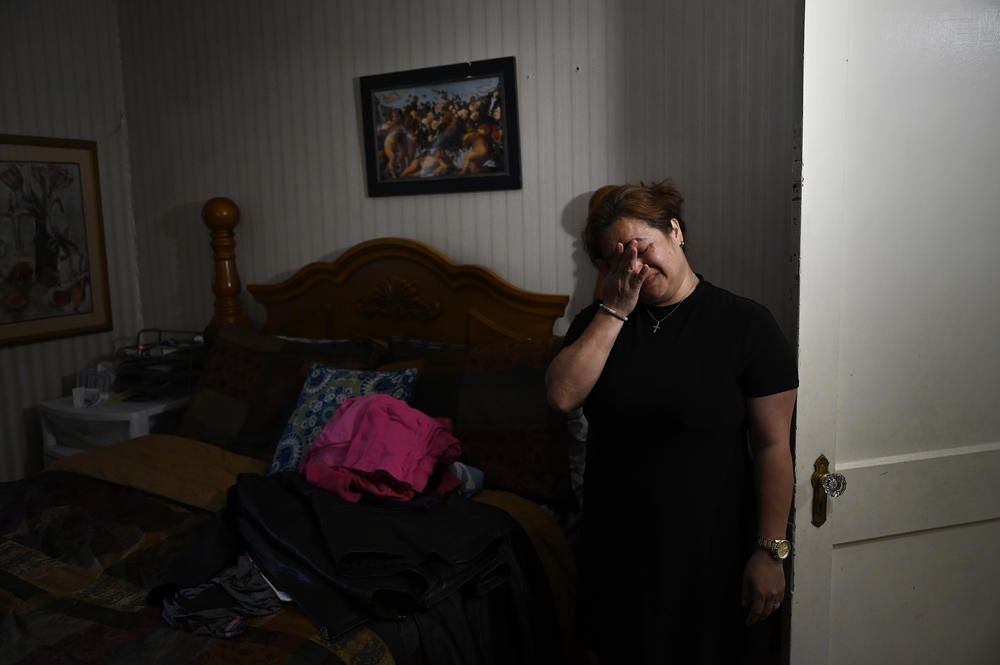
x=682, y=243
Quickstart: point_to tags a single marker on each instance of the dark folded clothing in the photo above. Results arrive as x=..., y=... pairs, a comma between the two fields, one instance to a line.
x=462, y=573
x=389, y=561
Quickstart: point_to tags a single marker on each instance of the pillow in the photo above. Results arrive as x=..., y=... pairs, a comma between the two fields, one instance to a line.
x=250, y=382
x=325, y=389
x=495, y=395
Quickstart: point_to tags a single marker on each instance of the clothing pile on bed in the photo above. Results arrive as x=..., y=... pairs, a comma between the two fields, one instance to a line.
x=374, y=526
x=384, y=447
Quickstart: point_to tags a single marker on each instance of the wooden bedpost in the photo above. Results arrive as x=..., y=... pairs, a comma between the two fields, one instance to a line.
x=221, y=215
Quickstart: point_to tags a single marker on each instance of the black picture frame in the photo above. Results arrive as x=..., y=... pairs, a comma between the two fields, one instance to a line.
x=452, y=128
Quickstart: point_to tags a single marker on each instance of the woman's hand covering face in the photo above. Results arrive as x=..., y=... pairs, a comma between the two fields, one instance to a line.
x=624, y=275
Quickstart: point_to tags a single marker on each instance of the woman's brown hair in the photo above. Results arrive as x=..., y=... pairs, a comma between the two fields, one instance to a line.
x=654, y=204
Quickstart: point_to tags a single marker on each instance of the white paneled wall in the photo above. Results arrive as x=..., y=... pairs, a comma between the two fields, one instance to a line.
x=63, y=79
x=257, y=100
x=714, y=90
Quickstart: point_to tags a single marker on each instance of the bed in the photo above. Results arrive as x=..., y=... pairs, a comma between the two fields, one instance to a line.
x=90, y=547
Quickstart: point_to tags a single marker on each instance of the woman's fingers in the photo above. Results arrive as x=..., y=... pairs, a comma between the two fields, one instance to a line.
x=624, y=275
x=762, y=607
x=639, y=274
x=631, y=268
x=760, y=601
x=619, y=259
x=626, y=256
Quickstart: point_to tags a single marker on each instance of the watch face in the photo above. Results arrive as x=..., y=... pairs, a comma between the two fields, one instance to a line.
x=783, y=549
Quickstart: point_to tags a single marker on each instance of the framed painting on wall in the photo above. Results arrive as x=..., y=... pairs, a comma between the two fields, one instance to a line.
x=442, y=129
x=53, y=268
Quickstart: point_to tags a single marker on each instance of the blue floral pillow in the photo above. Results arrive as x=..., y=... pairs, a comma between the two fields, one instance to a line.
x=325, y=389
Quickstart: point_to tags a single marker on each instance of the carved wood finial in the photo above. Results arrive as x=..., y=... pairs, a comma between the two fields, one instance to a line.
x=397, y=299
x=221, y=215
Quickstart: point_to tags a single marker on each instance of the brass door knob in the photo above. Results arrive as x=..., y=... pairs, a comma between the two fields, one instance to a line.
x=825, y=484
x=834, y=484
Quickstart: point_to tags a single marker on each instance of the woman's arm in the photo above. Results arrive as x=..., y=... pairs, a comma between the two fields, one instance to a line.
x=574, y=371
x=770, y=436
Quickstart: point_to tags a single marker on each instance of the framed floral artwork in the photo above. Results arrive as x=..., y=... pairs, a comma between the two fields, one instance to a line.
x=442, y=129
x=53, y=269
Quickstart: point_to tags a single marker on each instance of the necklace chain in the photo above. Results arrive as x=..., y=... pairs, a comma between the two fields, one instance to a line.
x=656, y=328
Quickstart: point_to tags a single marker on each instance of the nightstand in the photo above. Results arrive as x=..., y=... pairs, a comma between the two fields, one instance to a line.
x=67, y=429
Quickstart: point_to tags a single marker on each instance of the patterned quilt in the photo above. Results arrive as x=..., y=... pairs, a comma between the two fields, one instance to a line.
x=77, y=558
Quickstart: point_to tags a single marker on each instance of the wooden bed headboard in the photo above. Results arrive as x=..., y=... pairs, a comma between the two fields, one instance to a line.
x=381, y=288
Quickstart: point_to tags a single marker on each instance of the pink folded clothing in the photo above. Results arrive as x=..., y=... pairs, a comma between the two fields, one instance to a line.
x=381, y=445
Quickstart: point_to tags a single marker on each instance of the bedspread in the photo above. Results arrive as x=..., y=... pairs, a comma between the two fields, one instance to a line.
x=78, y=556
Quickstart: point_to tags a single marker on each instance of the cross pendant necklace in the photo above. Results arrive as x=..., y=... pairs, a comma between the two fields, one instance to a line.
x=656, y=328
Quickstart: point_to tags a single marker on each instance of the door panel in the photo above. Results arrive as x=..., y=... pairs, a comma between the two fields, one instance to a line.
x=938, y=623
x=898, y=495
x=899, y=336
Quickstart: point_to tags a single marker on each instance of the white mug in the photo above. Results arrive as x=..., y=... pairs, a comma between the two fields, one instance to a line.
x=83, y=397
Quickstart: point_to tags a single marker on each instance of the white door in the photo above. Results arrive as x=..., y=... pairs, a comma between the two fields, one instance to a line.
x=900, y=334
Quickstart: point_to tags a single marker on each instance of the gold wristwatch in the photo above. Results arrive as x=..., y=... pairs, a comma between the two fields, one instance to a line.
x=779, y=549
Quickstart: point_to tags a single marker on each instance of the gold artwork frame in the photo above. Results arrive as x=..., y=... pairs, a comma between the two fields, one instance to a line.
x=53, y=265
